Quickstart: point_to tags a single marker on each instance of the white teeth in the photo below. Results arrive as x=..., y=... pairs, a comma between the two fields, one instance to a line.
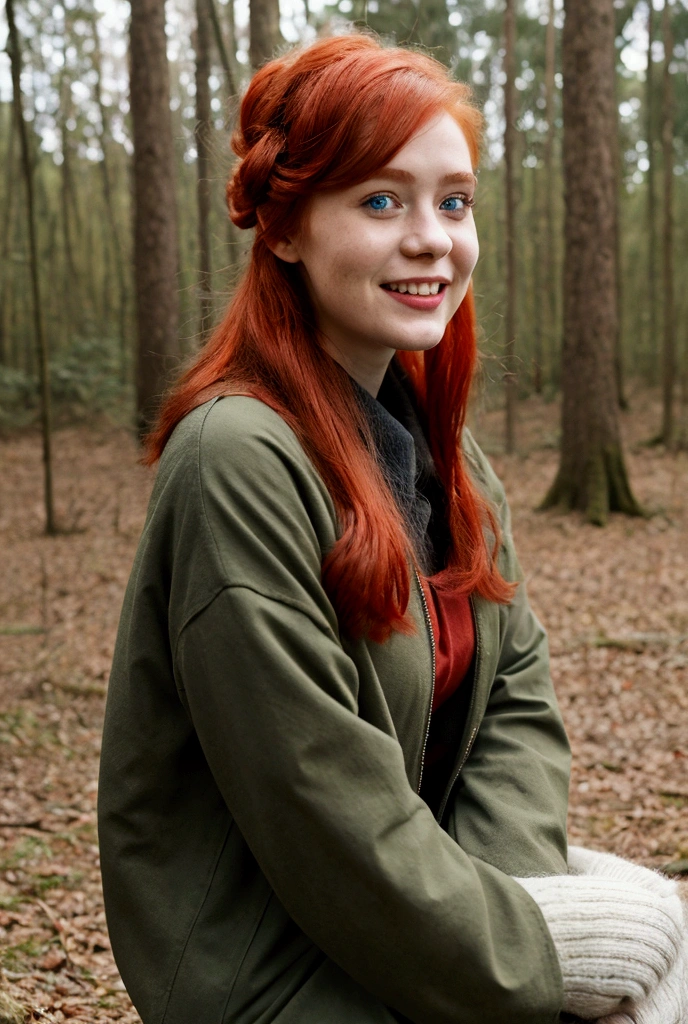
x=415, y=289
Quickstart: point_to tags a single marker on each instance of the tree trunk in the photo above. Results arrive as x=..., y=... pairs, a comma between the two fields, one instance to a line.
x=115, y=243
x=232, y=40
x=682, y=439
x=80, y=301
x=618, y=338
x=202, y=133
x=41, y=341
x=539, y=233
x=235, y=242
x=155, y=217
x=265, y=35
x=6, y=235
x=73, y=310
x=552, y=281
x=227, y=57
x=592, y=473
x=510, y=378
x=669, y=346
x=653, y=341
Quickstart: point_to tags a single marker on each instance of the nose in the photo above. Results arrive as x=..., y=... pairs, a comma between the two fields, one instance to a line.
x=425, y=237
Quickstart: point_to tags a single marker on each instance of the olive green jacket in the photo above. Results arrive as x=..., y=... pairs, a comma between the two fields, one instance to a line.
x=265, y=854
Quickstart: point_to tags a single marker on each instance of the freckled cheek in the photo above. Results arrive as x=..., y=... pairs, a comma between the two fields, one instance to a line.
x=332, y=246
x=358, y=254
x=351, y=271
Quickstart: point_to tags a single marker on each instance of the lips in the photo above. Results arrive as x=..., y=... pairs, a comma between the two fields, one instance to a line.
x=403, y=291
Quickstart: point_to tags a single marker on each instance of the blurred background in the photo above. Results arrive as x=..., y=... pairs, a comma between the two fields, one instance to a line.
x=74, y=61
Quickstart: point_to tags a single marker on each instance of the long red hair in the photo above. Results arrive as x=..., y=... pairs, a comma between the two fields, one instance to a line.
x=327, y=117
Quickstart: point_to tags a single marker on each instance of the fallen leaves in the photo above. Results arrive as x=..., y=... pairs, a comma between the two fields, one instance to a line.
x=53, y=960
x=615, y=604
x=62, y=599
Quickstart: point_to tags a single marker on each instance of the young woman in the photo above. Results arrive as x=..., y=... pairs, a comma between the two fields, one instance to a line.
x=332, y=744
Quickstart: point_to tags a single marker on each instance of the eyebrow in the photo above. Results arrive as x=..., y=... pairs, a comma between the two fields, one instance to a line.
x=455, y=178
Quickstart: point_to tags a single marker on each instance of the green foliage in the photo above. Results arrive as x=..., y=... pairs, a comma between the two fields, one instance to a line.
x=85, y=382
x=18, y=398
x=85, y=378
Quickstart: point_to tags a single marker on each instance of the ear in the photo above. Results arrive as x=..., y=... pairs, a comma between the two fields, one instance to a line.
x=286, y=249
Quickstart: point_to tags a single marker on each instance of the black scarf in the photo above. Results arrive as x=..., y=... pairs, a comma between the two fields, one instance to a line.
x=403, y=453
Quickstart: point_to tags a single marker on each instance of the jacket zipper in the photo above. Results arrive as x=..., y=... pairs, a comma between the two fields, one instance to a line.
x=433, y=653
x=474, y=731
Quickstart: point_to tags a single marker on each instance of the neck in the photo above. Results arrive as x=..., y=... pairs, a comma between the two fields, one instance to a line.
x=367, y=368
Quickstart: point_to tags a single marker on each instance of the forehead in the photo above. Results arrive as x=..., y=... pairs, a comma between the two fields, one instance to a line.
x=439, y=146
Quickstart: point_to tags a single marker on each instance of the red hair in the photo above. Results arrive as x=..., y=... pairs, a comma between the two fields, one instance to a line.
x=325, y=117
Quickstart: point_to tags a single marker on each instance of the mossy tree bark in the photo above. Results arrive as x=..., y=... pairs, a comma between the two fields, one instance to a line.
x=592, y=474
x=156, y=257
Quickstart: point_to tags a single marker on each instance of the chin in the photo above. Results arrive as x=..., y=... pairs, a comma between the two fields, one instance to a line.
x=419, y=344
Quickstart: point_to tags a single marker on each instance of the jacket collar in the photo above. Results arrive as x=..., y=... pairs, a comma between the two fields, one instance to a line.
x=402, y=451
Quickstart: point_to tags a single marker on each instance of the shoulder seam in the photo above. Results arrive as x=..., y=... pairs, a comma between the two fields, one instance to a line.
x=201, y=489
x=285, y=601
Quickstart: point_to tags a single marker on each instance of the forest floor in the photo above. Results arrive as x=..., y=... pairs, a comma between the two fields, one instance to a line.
x=614, y=600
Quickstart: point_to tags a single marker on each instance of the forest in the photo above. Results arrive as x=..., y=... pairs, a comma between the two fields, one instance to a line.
x=117, y=257
x=76, y=104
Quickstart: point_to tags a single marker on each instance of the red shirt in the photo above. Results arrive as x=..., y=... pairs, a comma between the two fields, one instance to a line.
x=454, y=631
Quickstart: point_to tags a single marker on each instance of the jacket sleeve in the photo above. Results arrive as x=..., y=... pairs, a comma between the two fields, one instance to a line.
x=510, y=806
x=321, y=796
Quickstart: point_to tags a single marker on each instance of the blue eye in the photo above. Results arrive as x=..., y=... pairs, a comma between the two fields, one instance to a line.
x=378, y=203
x=457, y=204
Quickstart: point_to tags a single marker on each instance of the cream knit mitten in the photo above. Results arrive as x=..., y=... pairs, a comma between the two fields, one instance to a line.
x=617, y=939
x=668, y=1002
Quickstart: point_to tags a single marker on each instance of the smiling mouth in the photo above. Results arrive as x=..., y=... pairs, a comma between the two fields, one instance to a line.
x=415, y=288
x=423, y=296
